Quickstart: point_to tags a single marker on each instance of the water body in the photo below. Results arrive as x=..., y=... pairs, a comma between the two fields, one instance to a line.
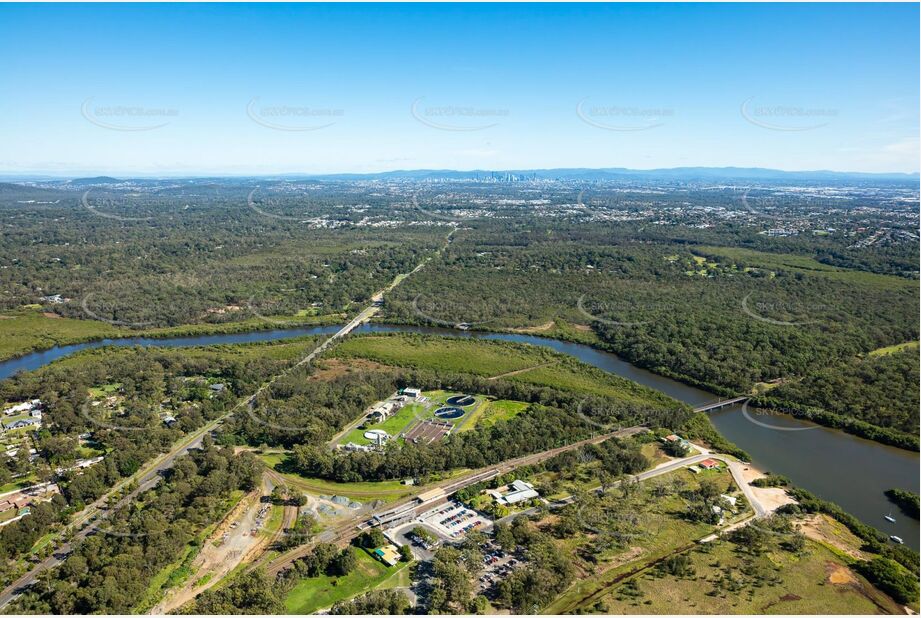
x=850, y=471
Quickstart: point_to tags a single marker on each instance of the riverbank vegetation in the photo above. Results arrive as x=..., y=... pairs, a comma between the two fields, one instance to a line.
x=874, y=540
x=907, y=501
x=875, y=397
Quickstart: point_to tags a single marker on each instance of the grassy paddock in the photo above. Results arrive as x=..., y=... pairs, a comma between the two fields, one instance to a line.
x=312, y=594
x=491, y=358
x=816, y=582
x=892, y=349
x=495, y=411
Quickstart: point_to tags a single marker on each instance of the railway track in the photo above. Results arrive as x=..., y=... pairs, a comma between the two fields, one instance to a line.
x=343, y=532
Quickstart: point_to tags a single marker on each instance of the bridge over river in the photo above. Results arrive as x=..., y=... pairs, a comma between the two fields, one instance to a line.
x=722, y=403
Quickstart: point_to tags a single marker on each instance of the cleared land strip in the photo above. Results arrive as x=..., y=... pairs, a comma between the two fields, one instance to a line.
x=518, y=371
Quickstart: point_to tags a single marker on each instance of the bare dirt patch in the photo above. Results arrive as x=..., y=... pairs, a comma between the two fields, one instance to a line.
x=772, y=498
x=52, y=315
x=840, y=575
x=540, y=328
x=830, y=533
x=224, y=310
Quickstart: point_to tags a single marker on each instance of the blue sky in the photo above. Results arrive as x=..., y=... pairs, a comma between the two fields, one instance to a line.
x=259, y=88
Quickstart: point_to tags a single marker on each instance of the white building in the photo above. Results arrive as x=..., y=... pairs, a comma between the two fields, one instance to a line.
x=514, y=492
x=25, y=406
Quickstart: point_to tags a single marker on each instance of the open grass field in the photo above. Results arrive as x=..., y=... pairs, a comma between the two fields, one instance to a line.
x=26, y=330
x=805, y=265
x=104, y=390
x=892, y=349
x=816, y=582
x=443, y=354
x=493, y=411
x=18, y=484
x=725, y=579
x=659, y=532
x=312, y=594
x=280, y=350
x=386, y=491
x=490, y=358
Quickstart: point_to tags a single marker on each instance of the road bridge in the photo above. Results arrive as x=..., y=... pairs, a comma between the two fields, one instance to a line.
x=722, y=403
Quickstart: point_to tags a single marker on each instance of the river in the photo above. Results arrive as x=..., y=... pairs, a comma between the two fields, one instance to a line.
x=850, y=471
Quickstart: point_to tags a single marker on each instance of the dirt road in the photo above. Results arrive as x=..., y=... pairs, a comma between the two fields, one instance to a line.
x=235, y=541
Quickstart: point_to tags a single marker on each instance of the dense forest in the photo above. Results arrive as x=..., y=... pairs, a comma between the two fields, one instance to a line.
x=724, y=319
x=193, y=256
x=882, y=390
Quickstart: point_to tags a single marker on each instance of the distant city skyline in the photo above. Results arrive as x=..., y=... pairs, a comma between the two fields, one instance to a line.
x=262, y=89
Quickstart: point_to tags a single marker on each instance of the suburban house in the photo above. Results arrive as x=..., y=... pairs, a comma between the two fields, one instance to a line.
x=23, y=422
x=676, y=439
x=709, y=464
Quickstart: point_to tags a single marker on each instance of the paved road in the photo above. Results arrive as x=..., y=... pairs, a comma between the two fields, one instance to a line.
x=735, y=468
x=88, y=520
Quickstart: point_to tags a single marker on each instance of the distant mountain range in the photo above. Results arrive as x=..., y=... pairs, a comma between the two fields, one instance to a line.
x=674, y=174
x=622, y=173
